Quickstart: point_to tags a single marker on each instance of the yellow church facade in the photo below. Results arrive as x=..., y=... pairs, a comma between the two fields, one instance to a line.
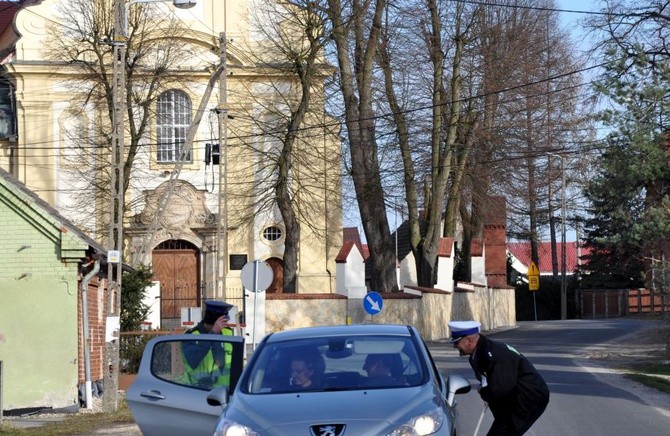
x=196, y=211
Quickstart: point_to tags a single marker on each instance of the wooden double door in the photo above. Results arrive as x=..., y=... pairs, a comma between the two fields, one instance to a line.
x=176, y=265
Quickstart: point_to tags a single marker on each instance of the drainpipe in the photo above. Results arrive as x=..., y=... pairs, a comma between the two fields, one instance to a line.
x=87, y=348
x=325, y=207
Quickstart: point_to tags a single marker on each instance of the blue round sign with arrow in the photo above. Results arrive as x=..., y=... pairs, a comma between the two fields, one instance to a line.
x=373, y=303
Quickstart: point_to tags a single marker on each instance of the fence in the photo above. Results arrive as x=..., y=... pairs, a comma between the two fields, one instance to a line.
x=605, y=303
x=642, y=301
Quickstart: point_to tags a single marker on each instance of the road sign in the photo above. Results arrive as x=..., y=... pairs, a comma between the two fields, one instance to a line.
x=373, y=303
x=533, y=277
x=114, y=256
x=256, y=276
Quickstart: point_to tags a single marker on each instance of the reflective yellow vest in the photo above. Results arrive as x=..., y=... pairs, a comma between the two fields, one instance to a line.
x=208, y=373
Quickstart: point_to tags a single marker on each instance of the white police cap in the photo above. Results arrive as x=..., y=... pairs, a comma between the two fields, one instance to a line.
x=461, y=329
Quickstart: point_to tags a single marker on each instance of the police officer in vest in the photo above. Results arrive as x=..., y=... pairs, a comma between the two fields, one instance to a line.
x=207, y=363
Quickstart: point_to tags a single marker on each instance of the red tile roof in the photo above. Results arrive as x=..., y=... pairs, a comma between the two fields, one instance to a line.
x=344, y=252
x=521, y=250
x=350, y=234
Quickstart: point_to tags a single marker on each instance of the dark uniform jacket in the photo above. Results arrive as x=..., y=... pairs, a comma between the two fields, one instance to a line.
x=512, y=387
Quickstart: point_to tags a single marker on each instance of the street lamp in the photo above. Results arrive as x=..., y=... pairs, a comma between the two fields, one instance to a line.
x=184, y=4
x=564, y=304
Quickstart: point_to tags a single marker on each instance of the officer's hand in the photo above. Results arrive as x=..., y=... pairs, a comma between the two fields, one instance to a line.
x=219, y=324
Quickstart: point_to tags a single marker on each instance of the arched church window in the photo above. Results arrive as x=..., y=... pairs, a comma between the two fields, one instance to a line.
x=173, y=118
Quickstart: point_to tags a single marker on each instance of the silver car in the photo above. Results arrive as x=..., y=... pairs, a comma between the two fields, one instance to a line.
x=319, y=381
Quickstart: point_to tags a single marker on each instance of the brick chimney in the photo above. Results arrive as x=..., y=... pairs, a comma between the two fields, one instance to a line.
x=495, y=241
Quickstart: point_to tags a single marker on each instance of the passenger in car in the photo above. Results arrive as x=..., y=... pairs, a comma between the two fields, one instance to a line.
x=378, y=368
x=302, y=373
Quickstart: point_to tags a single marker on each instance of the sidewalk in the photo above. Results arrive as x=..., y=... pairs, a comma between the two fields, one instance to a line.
x=30, y=421
x=26, y=422
x=120, y=429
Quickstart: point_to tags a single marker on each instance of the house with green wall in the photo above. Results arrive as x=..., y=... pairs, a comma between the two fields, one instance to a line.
x=43, y=258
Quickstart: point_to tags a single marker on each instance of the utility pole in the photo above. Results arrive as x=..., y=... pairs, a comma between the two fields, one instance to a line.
x=115, y=260
x=552, y=228
x=564, y=211
x=221, y=268
x=564, y=303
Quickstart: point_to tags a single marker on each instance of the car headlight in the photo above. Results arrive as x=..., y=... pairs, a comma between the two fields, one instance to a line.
x=424, y=424
x=226, y=427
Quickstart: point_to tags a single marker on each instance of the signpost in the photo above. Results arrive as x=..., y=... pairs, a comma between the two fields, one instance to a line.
x=534, y=283
x=256, y=276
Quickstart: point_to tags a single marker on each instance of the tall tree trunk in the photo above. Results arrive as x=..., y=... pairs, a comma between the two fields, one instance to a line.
x=356, y=87
x=442, y=148
x=401, y=124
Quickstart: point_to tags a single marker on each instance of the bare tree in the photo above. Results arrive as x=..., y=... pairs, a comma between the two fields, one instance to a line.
x=447, y=135
x=458, y=96
x=288, y=114
x=545, y=121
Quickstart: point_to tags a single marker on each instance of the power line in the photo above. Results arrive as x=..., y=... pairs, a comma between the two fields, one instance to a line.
x=428, y=107
x=537, y=8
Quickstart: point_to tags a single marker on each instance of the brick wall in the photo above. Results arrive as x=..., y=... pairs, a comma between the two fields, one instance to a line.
x=495, y=240
x=96, y=322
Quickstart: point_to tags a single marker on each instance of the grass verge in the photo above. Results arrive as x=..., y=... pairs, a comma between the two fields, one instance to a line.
x=653, y=374
x=651, y=381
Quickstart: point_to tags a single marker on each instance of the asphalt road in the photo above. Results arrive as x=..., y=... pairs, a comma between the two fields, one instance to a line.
x=586, y=398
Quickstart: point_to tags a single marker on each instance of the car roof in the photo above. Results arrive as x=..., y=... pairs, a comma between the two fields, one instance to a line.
x=338, y=330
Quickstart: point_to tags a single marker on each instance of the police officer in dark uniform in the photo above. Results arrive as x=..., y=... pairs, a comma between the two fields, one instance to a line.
x=208, y=365
x=514, y=390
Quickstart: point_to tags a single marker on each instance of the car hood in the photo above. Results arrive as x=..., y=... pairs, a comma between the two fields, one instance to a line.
x=373, y=411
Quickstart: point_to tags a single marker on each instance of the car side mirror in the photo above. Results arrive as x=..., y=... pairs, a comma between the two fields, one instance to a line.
x=218, y=396
x=456, y=384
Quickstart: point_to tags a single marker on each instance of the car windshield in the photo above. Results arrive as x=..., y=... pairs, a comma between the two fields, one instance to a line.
x=335, y=363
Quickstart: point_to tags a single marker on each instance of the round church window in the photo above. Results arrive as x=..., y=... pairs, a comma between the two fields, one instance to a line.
x=272, y=233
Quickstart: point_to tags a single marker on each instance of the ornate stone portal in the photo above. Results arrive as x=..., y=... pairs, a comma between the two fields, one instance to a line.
x=184, y=217
x=184, y=209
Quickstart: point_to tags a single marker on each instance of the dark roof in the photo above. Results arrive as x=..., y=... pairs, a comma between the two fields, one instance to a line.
x=51, y=211
x=350, y=234
x=8, y=35
x=401, y=237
